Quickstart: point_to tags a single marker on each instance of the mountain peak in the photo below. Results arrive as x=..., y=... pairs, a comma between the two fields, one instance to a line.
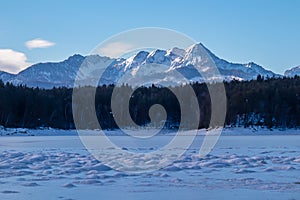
x=157, y=52
x=76, y=57
x=200, y=49
x=135, y=60
x=139, y=57
x=157, y=56
x=251, y=64
x=197, y=46
x=198, y=54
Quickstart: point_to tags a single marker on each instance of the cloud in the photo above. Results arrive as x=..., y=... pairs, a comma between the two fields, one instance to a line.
x=12, y=61
x=38, y=43
x=115, y=49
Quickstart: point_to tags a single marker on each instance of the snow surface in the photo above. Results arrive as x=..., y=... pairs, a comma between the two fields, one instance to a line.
x=245, y=164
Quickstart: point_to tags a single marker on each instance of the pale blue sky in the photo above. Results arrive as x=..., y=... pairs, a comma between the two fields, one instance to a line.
x=263, y=31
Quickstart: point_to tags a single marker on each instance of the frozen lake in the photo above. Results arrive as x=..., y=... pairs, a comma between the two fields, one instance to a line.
x=239, y=167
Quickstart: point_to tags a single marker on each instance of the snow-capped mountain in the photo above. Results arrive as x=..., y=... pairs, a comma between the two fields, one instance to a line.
x=237, y=71
x=158, y=66
x=48, y=75
x=292, y=72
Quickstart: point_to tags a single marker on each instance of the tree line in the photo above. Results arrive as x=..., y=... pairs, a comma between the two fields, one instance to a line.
x=269, y=102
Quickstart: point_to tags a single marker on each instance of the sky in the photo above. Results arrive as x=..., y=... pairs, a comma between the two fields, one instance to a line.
x=263, y=31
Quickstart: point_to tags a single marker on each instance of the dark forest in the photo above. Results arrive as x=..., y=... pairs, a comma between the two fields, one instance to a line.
x=268, y=102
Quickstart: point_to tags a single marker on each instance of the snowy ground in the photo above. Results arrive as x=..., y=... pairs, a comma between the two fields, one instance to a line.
x=225, y=131
x=245, y=164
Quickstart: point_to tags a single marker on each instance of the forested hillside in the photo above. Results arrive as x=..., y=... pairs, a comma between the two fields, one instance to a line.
x=265, y=102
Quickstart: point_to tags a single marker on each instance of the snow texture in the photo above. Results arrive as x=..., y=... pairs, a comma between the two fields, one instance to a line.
x=245, y=164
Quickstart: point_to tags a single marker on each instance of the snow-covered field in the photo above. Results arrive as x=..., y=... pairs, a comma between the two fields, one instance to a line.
x=245, y=164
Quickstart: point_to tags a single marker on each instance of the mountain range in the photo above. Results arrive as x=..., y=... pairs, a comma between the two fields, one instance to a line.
x=158, y=66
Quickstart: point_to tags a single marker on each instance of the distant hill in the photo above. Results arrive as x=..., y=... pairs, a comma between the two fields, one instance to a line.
x=292, y=72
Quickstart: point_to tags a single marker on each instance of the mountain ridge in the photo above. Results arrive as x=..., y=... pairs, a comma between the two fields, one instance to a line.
x=186, y=61
x=292, y=72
